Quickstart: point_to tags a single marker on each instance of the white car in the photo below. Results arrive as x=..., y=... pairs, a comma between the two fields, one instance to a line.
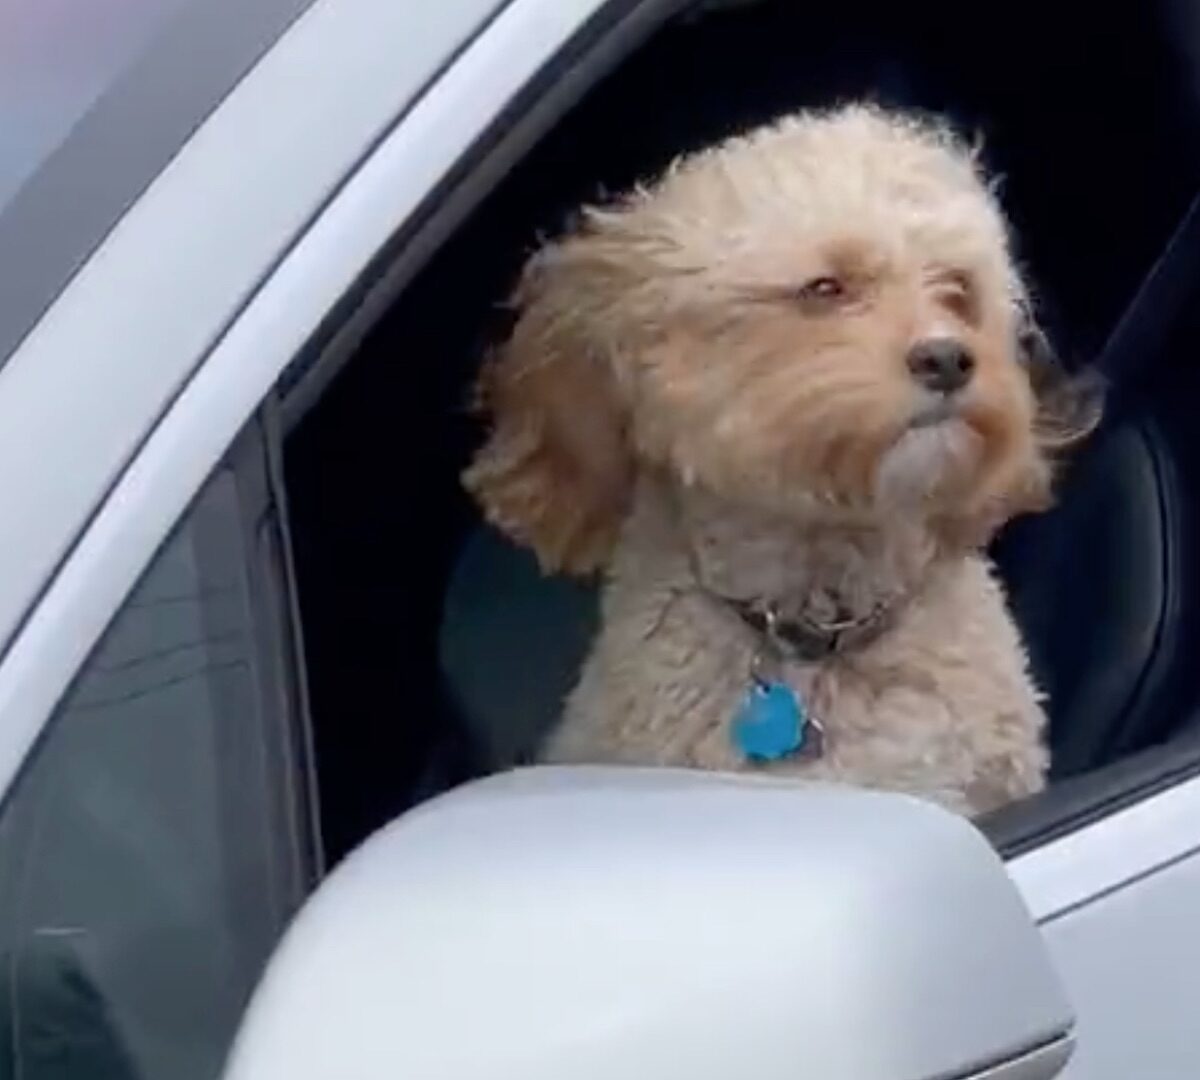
x=250, y=256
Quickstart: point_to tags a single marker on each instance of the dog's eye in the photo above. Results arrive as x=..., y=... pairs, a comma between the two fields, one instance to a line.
x=957, y=292
x=822, y=288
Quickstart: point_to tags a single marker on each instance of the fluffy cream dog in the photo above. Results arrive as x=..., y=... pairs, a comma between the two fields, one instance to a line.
x=782, y=398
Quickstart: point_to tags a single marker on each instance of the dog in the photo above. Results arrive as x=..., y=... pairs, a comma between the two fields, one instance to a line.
x=782, y=398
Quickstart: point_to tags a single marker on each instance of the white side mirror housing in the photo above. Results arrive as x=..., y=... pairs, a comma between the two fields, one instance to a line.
x=590, y=924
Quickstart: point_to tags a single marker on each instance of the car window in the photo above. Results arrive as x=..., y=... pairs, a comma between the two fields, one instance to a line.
x=155, y=845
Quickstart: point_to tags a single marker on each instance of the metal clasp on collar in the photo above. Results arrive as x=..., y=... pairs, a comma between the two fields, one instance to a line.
x=803, y=639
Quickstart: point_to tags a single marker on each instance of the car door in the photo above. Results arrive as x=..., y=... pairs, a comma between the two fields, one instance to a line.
x=1114, y=901
x=132, y=386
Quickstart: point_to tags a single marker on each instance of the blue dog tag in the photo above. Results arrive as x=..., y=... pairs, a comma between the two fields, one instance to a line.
x=771, y=721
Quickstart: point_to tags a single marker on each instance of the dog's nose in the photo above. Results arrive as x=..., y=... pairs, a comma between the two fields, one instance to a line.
x=941, y=364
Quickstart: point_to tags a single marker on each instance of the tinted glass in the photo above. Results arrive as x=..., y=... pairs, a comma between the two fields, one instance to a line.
x=149, y=856
x=96, y=97
x=56, y=58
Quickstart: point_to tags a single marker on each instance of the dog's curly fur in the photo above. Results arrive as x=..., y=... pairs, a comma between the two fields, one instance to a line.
x=708, y=394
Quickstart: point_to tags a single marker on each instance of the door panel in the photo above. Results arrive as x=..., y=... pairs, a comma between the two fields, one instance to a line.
x=1131, y=963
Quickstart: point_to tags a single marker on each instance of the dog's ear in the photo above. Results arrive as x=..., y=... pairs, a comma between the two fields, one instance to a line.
x=1069, y=406
x=555, y=473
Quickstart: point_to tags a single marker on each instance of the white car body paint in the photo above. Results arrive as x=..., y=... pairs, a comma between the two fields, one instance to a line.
x=1130, y=960
x=1118, y=903
x=1112, y=853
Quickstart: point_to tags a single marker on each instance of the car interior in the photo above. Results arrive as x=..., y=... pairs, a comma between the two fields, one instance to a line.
x=435, y=651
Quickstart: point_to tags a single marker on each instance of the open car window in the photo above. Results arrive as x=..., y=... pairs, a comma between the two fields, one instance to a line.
x=459, y=631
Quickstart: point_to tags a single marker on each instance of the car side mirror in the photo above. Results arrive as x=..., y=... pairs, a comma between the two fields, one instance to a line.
x=596, y=924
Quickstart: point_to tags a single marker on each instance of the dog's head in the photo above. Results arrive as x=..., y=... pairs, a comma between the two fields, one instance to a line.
x=822, y=314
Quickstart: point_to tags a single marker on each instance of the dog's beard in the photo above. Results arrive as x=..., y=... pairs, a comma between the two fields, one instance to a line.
x=929, y=463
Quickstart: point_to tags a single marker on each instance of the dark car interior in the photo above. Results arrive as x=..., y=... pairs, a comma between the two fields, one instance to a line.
x=436, y=652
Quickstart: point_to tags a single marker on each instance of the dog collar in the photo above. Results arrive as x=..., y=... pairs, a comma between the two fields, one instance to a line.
x=801, y=638
x=773, y=721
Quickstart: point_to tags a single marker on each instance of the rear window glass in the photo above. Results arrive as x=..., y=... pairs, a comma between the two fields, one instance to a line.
x=96, y=97
x=56, y=58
